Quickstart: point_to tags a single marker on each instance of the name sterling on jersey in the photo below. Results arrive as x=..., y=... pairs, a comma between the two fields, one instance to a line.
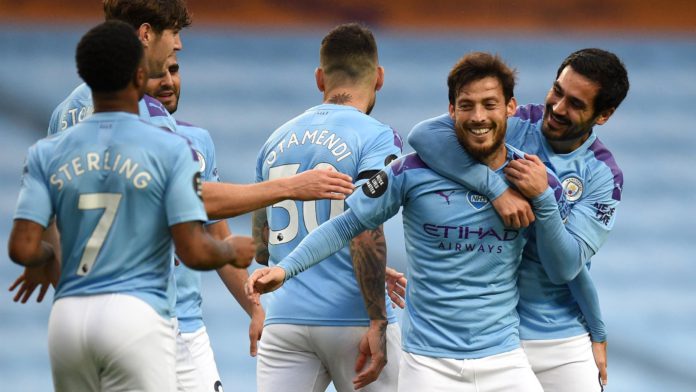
x=333, y=143
x=97, y=162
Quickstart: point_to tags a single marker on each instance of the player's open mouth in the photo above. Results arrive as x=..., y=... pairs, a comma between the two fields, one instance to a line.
x=480, y=131
x=557, y=121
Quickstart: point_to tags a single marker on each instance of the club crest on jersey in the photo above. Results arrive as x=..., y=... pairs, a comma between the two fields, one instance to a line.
x=476, y=200
x=376, y=186
x=572, y=186
x=198, y=185
x=201, y=160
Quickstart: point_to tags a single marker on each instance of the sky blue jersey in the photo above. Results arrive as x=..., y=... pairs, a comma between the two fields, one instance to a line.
x=325, y=136
x=593, y=184
x=188, y=281
x=78, y=106
x=461, y=293
x=115, y=185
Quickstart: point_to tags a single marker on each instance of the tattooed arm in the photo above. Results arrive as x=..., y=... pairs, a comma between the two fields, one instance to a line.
x=259, y=231
x=369, y=253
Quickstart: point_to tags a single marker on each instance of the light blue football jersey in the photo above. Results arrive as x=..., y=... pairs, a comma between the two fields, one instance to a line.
x=78, y=106
x=325, y=136
x=462, y=292
x=188, y=281
x=115, y=185
x=593, y=184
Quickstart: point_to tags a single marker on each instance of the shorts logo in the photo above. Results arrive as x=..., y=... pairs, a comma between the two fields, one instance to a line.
x=476, y=200
x=572, y=186
x=201, y=160
x=198, y=185
x=376, y=186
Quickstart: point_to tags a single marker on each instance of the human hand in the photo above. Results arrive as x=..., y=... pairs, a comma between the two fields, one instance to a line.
x=42, y=276
x=396, y=287
x=528, y=175
x=244, y=250
x=599, y=351
x=264, y=280
x=373, y=345
x=320, y=184
x=513, y=209
x=255, y=329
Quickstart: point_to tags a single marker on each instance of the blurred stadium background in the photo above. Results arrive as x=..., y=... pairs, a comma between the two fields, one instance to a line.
x=247, y=67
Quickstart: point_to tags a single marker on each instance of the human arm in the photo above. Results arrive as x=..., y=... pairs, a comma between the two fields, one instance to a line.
x=224, y=200
x=259, y=232
x=369, y=254
x=26, y=247
x=43, y=276
x=321, y=243
x=585, y=294
x=437, y=145
x=200, y=251
x=396, y=287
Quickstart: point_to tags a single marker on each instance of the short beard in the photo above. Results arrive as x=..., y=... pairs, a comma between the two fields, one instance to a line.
x=481, y=154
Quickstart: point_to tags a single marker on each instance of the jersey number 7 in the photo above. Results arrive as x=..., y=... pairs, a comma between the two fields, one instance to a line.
x=91, y=201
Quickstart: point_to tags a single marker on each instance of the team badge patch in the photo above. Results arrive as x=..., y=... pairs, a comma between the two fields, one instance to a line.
x=572, y=186
x=476, y=200
x=376, y=185
x=201, y=160
x=198, y=185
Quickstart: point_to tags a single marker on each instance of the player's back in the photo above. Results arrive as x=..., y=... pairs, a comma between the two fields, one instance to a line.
x=326, y=136
x=110, y=180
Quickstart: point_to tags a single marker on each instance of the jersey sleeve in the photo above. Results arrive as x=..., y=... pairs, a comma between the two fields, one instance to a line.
x=562, y=254
x=585, y=294
x=437, y=145
x=183, y=200
x=211, y=170
x=34, y=202
x=54, y=122
x=593, y=216
x=378, y=199
x=379, y=152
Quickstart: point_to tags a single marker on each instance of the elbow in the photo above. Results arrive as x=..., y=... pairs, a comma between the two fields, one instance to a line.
x=21, y=255
x=563, y=277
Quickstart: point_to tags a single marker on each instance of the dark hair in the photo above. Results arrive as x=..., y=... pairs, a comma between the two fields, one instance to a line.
x=476, y=66
x=605, y=69
x=349, y=49
x=108, y=56
x=160, y=14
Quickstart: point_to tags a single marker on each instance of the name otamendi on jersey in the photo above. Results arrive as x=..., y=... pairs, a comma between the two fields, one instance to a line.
x=326, y=138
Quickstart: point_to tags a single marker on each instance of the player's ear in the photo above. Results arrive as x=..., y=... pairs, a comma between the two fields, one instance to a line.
x=511, y=107
x=319, y=76
x=146, y=34
x=451, y=111
x=604, y=116
x=141, y=76
x=380, y=78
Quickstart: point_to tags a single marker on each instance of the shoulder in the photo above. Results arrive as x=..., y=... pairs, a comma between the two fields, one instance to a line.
x=443, y=121
x=406, y=163
x=605, y=165
x=193, y=131
x=532, y=113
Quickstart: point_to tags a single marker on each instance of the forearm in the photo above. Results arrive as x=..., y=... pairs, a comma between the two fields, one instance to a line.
x=234, y=279
x=321, y=243
x=25, y=245
x=585, y=294
x=369, y=254
x=224, y=200
x=259, y=231
x=562, y=254
x=437, y=145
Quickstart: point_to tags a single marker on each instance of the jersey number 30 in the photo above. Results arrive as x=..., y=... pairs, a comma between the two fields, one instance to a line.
x=92, y=201
x=309, y=208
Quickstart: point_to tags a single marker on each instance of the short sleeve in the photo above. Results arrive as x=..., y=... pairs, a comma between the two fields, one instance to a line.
x=34, y=202
x=183, y=200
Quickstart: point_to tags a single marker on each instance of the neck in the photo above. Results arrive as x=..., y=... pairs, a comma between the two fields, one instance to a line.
x=120, y=101
x=496, y=159
x=358, y=98
x=567, y=146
